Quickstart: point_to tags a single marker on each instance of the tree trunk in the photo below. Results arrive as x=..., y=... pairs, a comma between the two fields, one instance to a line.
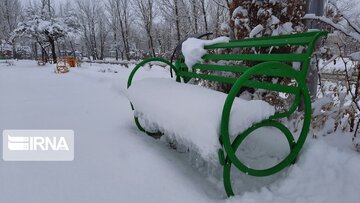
x=72, y=49
x=177, y=21
x=151, y=44
x=123, y=28
x=44, y=55
x=217, y=24
x=35, y=53
x=124, y=40
x=59, y=49
x=316, y=7
x=93, y=41
x=194, y=10
x=127, y=47
x=13, y=50
x=116, y=46
x=53, y=49
x=204, y=15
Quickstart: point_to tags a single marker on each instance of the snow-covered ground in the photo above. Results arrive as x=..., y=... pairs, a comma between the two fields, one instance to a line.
x=115, y=162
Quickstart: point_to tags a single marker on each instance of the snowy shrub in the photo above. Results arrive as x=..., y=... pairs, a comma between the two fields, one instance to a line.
x=250, y=18
x=264, y=18
x=338, y=103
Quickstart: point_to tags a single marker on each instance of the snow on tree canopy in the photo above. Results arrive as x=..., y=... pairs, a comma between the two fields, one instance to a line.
x=193, y=49
x=41, y=28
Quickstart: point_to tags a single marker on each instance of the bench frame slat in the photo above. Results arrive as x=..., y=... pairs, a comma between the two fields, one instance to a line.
x=261, y=43
x=257, y=57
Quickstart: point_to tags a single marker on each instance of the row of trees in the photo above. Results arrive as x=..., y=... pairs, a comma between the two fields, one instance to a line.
x=153, y=26
x=123, y=28
x=127, y=29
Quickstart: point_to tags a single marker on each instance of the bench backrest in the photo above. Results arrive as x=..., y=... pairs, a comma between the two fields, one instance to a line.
x=306, y=40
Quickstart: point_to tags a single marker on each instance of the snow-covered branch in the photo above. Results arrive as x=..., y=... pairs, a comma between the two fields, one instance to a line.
x=346, y=17
x=353, y=34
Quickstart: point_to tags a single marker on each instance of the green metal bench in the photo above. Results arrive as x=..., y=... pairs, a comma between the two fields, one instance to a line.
x=272, y=64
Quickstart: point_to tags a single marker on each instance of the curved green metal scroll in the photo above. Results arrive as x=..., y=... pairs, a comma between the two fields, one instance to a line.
x=138, y=125
x=132, y=74
x=145, y=61
x=255, y=172
x=230, y=148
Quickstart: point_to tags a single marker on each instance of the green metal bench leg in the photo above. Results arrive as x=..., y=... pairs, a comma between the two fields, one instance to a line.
x=262, y=172
x=230, y=148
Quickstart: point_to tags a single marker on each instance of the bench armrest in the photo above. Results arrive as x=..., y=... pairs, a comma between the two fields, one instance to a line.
x=145, y=61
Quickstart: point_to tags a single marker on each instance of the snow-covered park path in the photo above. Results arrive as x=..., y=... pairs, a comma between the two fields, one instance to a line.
x=114, y=162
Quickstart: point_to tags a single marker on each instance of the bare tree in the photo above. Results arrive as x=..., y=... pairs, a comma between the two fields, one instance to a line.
x=203, y=9
x=89, y=19
x=102, y=33
x=171, y=11
x=220, y=16
x=195, y=14
x=145, y=10
x=119, y=17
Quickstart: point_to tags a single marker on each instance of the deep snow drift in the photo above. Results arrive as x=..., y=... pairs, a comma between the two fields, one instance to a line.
x=114, y=162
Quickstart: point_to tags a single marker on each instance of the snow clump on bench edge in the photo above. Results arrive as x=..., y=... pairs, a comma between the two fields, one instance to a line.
x=193, y=49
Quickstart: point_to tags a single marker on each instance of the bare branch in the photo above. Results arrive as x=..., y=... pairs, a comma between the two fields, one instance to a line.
x=328, y=21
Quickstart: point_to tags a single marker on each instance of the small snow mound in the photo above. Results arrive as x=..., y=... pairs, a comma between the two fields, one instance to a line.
x=193, y=49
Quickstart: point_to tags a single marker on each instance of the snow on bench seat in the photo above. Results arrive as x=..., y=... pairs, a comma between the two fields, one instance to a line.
x=191, y=114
